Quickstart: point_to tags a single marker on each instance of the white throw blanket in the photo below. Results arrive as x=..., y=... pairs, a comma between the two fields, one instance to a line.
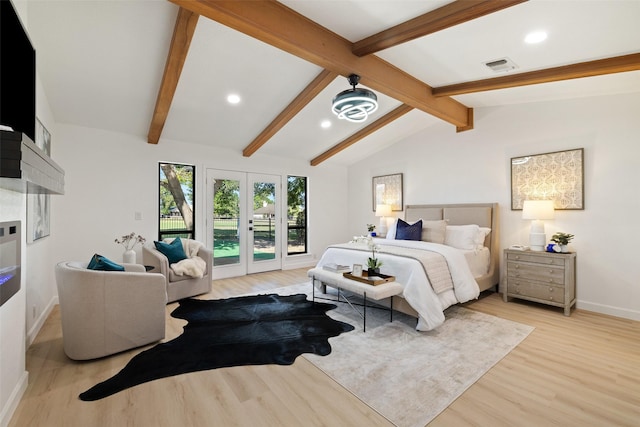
x=418, y=291
x=191, y=247
x=193, y=266
x=434, y=263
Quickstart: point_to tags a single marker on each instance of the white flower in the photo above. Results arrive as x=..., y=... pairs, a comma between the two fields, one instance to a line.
x=373, y=262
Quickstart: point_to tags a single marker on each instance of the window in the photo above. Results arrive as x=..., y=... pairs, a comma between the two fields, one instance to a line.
x=177, y=201
x=296, y=215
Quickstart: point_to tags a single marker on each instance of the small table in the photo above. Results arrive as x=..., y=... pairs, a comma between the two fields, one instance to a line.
x=544, y=277
x=338, y=281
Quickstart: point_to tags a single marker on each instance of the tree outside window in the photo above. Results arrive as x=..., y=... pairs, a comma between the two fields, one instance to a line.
x=296, y=215
x=177, y=201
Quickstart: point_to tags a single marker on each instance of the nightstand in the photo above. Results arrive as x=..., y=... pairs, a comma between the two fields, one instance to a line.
x=544, y=277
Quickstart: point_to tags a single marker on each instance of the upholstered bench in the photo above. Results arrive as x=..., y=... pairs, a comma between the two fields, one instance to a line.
x=339, y=282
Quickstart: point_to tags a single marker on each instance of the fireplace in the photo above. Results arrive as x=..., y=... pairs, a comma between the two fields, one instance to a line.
x=10, y=238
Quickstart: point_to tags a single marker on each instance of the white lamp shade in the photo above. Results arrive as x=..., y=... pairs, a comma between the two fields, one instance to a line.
x=537, y=209
x=383, y=210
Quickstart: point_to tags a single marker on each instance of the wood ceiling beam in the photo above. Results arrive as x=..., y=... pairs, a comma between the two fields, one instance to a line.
x=618, y=64
x=311, y=91
x=451, y=14
x=182, y=34
x=283, y=28
x=362, y=133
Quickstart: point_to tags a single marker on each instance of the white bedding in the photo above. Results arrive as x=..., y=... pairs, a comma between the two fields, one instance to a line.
x=410, y=273
x=478, y=260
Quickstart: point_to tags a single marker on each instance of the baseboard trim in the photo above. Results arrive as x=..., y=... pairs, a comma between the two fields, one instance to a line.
x=609, y=310
x=35, y=329
x=292, y=263
x=14, y=399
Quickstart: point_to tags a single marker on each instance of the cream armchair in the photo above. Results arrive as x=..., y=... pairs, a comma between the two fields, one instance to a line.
x=106, y=312
x=179, y=287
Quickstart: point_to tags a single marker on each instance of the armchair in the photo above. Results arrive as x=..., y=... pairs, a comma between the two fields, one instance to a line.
x=106, y=312
x=179, y=287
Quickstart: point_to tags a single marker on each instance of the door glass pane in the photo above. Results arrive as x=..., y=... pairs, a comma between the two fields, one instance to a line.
x=226, y=219
x=264, y=225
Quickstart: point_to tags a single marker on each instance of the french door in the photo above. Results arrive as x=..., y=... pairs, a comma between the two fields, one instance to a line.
x=243, y=222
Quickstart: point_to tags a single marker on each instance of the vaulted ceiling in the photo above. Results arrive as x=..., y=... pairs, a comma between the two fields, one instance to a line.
x=163, y=69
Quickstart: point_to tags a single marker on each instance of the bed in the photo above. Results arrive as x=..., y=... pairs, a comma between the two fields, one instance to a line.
x=443, y=268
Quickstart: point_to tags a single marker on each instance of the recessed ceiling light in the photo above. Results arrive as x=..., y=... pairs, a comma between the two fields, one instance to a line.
x=325, y=124
x=535, y=37
x=233, y=98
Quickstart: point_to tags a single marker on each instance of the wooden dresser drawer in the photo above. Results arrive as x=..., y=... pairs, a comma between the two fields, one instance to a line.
x=528, y=257
x=536, y=290
x=543, y=273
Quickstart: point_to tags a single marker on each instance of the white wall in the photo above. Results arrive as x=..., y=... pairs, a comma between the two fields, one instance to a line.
x=110, y=176
x=441, y=166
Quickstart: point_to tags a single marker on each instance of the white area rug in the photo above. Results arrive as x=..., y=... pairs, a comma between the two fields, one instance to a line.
x=409, y=376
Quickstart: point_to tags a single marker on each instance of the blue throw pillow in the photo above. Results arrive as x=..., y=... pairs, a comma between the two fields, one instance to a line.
x=173, y=251
x=406, y=231
x=99, y=262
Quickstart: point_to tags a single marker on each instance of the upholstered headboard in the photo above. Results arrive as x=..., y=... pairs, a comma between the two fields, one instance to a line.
x=482, y=214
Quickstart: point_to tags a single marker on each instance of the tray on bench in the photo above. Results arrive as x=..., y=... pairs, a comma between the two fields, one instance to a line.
x=378, y=279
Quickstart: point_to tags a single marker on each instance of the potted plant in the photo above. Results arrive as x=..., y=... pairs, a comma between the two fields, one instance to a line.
x=373, y=263
x=562, y=240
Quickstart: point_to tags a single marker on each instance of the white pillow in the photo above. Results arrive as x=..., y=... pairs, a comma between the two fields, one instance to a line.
x=391, y=232
x=482, y=234
x=462, y=236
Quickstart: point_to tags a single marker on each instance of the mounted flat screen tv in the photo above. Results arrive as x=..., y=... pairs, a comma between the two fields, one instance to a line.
x=17, y=73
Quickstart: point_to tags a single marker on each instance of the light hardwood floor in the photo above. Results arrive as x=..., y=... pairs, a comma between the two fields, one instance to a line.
x=582, y=370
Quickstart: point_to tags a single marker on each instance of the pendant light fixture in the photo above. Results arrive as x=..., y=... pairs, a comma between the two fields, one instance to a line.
x=354, y=104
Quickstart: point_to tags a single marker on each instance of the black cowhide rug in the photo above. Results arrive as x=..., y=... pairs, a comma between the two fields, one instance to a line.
x=252, y=330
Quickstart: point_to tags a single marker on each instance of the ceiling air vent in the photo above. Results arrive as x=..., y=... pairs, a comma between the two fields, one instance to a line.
x=501, y=65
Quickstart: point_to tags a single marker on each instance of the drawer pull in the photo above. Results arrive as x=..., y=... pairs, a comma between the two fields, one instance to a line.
x=550, y=298
x=517, y=256
x=551, y=271
x=550, y=280
x=517, y=266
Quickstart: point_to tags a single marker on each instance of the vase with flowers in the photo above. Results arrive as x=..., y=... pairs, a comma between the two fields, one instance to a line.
x=129, y=241
x=373, y=263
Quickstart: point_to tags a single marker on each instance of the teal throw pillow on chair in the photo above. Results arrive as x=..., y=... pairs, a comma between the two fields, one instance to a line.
x=99, y=262
x=173, y=251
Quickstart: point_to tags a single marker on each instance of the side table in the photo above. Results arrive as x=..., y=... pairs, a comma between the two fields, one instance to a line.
x=544, y=277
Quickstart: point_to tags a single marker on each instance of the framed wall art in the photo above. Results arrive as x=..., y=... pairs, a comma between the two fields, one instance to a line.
x=38, y=216
x=387, y=190
x=43, y=137
x=558, y=176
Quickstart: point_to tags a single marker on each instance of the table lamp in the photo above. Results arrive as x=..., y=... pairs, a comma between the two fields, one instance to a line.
x=537, y=211
x=383, y=211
